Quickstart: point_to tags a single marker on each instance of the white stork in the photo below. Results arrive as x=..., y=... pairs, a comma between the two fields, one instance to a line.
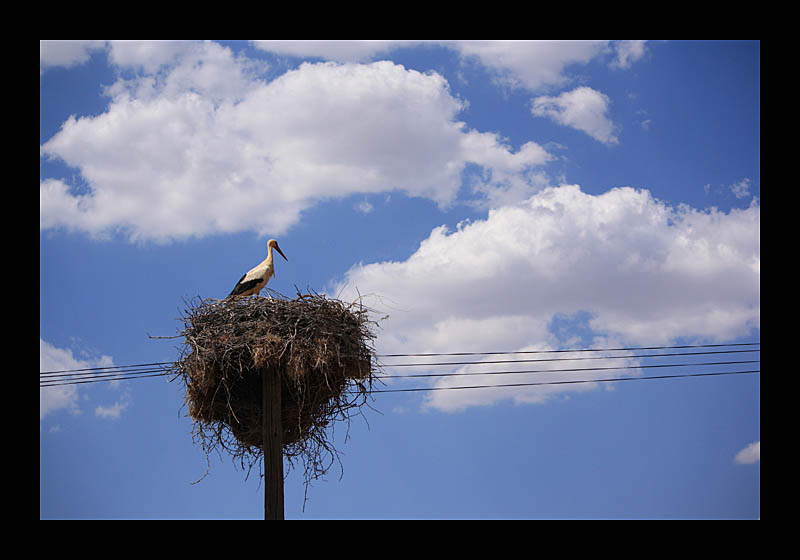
x=258, y=276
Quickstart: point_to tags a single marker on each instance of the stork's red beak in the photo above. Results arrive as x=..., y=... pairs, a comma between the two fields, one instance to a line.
x=281, y=252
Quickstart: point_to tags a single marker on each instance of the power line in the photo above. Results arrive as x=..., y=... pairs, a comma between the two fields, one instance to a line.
x=685, y=346
x=562, y=382
x=114, y=373
x=103, y=375
x=454, y=374
x=56, y=384
x=670, y=354
x=133, y=368
x=94, y=377
x=567, y=382
x=106, y=368
x=69, y=379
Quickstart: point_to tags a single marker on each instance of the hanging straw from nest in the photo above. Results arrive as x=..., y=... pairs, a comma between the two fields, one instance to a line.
x=321, y=347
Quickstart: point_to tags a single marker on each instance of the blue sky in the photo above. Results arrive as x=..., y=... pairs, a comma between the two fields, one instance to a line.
x=486, y=196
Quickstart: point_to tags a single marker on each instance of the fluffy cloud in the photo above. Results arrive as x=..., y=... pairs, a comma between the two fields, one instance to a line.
x=528, y=64
x=628, y=52
x=642, y=271
x=340, y=51
x=184, y=153
x=542, y=376
x=532, y=65
x=741, y=189
x=750, y=454
x=66, y=53
x=62, y=397
x=149, y=55
x=114, y=411
x=52, y=399
x=171, y=69
x=583, y=108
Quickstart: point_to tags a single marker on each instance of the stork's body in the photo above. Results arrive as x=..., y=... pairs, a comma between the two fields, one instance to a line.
x=257, y=277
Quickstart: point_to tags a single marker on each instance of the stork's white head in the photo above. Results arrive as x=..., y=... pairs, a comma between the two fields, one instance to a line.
x=274, y=244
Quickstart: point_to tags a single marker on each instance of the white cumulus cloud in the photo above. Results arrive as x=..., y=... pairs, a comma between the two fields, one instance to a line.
x=527, y=64
x=340, y=51
x=750, y=454
x=114, y=411
x=61, y=397
x=741, y=189
x=583, y=108
x=189, y=152
x=643, y=271
x=66, y=53
x=628, y=52
x=531, y=64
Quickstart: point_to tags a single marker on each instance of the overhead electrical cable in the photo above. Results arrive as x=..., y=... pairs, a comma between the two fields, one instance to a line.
x=105, y=369
x=98, y=376
x=160, y=369
x=629, y=356
x=56, y=384
x=561, y=370
x=561, y=382
x=567, y=382
x=103, y=373
x=684, y=346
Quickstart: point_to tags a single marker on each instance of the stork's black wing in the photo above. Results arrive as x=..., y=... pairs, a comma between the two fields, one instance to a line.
x=243, y=286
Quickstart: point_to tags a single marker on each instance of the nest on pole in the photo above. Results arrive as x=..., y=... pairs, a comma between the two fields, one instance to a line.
x=322, y=349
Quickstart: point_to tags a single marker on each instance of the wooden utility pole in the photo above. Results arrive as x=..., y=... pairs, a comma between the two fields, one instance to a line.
x=273, y=445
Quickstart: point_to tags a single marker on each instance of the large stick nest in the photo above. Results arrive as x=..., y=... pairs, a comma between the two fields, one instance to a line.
x=322, y=349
